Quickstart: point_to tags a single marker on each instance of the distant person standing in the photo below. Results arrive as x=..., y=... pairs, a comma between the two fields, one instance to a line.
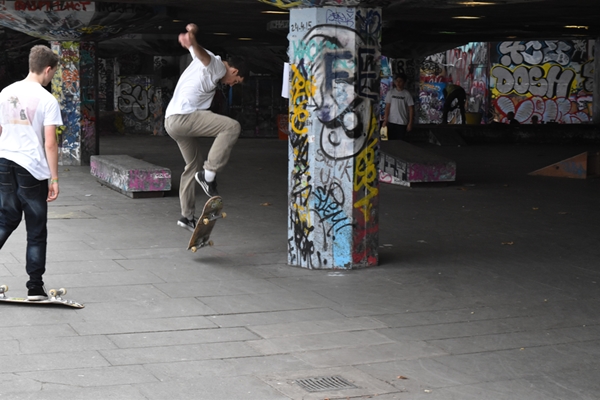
x=454, y=92
x=29, y=115
x=188, y=118
x=399, y=109
x=510, y=116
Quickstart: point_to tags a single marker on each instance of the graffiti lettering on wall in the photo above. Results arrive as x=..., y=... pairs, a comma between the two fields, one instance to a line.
x=549, y=79
x=50, y=20
x=52, y=5
x=466, y=66
x=333, y=146
x=141, y=104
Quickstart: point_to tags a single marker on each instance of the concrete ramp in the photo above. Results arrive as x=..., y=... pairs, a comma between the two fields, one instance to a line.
x=580, y=166
x=404, y=164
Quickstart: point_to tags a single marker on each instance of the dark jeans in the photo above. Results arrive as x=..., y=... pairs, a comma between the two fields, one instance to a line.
x=396, y=132
x=21, y=193
x=458, y=93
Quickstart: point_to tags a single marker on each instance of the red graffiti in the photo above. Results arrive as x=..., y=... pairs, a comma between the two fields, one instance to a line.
x=51, y=5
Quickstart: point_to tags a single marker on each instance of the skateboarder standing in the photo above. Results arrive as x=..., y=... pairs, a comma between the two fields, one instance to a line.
x=399, y=109
x=29, y=115
x=188, y=117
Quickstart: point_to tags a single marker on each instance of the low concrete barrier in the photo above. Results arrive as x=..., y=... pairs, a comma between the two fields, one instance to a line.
x=130, y=176
x=404, y=164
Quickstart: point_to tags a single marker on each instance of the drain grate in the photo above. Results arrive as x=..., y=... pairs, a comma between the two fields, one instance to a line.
x=324, y=383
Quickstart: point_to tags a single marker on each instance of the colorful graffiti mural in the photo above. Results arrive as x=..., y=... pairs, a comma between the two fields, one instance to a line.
x=74, y=87
x=466, y=66
x=334, y=84
x=550, y=79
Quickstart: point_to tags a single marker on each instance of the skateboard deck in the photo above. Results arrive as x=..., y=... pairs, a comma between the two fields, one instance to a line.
x=206, y=222
x=54, y=297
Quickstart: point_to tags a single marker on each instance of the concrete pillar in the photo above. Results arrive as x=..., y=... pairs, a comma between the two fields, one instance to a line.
x=596, y=102
x=74, y=85
x=334, y=55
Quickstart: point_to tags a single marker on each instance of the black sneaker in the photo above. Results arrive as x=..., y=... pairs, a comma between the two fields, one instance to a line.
x=37, y=293
x=186, y=223
x=210, y=188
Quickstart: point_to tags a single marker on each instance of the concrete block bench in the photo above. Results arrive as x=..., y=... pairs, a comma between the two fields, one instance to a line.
x=403, y=164
x=130, y=176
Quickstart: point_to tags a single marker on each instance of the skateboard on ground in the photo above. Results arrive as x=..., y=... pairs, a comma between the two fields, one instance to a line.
x=54, y=297
x=206, y=222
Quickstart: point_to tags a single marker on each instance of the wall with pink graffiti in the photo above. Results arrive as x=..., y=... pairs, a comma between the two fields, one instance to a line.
x=466, y=66
x=549, y=79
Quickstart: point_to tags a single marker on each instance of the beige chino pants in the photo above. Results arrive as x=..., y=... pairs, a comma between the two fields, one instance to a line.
x=186, y=130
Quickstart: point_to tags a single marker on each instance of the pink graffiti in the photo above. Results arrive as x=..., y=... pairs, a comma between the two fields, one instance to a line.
x=561, y=110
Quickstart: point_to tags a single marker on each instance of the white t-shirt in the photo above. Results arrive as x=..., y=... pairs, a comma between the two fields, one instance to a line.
x=196, y=86
x=399, y=101
x=25, y=109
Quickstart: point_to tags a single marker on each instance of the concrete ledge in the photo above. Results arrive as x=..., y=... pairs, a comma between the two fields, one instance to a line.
x=130, y=176
x=404, y=164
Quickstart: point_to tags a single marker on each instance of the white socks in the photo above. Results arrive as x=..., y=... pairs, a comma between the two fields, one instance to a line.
x=209, y=175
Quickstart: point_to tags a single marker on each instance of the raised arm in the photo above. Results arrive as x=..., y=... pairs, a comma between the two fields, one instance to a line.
x=188, y=40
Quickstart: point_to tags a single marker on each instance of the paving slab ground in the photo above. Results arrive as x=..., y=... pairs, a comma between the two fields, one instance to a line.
x=487, y=289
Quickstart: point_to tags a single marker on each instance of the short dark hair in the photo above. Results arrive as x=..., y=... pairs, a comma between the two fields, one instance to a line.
x=41, y=57
x=401, y=75
x=239, y=63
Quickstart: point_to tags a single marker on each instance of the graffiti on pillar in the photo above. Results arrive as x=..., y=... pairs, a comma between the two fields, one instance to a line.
x=87, y=66
x=140, y=102
x=549, y=79
x=466, y=66
x=65, y=87
x=334, y=85
x=74, y=87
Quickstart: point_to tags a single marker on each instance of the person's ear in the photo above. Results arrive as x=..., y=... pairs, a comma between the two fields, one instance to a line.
x=234, y=71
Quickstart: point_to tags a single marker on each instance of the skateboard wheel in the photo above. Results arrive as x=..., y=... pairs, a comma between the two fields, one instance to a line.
x=205, y=221
x=194, y=249
x=62, y=291
x=3, y=288
x=223, y=215
x=52, y=292
x=210, y=243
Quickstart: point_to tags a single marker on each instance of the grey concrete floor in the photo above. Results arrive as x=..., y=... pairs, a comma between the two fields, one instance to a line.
x=487, y=289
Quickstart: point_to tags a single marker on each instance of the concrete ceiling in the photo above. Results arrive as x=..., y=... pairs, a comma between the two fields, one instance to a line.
x=411, y=29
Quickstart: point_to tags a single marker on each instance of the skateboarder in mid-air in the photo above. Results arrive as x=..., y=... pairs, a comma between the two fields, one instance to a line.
x=188, y=117
x=29, y=115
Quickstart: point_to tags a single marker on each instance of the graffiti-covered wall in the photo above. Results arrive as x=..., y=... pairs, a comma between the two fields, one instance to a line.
x=466, y=66
x=334, y=54
x=140, y=102
x=74, y=85
x=550, y=79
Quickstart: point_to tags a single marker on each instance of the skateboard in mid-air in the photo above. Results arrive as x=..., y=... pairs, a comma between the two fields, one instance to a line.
x=206, y=222
x=54, y=297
